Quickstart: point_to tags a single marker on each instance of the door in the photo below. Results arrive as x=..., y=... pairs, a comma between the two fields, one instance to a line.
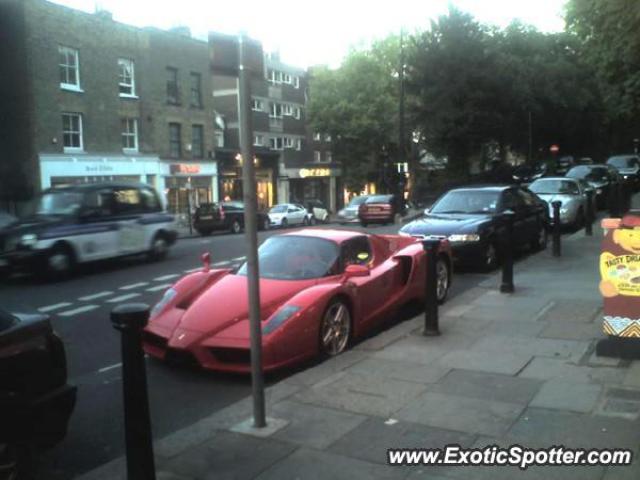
x=129, y=210
x=100, y=232
x=533, y=212
x=296, y=214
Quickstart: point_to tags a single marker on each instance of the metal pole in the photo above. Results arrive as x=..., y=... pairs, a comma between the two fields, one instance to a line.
x=129, y=320
x=401, y=134
x=556, y=228
x=530, y=138
x=189, y=211
x=614, y=209
x=431, y=328
x=251, y=227
x=507, y=256
x=588, y=225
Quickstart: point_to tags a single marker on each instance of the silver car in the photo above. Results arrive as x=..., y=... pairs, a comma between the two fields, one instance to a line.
x=570, y=192
x=349, y=213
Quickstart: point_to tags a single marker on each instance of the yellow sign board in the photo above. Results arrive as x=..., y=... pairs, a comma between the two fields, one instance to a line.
x=314, y=172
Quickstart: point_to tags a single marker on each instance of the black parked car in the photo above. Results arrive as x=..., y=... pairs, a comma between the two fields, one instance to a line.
x=601, y=178
x=224, y=216
x=472, y=220
x=35, y=399
x=629, y=167
x=529, y=172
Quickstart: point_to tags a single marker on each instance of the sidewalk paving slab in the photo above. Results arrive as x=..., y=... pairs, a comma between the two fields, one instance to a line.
x=569, y=396
x=453, y=412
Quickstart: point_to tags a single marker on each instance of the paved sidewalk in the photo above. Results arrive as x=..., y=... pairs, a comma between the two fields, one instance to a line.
x=507, y=369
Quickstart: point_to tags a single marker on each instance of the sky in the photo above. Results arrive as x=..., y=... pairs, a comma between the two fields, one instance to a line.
x=320, y=32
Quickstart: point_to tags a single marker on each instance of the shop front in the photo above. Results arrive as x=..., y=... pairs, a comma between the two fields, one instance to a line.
x=265, y=166
x=64, y=170
x=315, y=183
x=190, y=185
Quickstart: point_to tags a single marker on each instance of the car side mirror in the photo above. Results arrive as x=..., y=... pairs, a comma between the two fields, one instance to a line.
x=356, y=270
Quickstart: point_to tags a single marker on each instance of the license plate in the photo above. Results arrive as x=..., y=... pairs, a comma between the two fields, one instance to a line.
x=206, y=217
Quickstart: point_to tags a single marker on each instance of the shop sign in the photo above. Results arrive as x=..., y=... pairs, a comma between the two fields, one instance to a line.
x=98, y=168
x=314, y=172
x=184, y=168
x=620, y=276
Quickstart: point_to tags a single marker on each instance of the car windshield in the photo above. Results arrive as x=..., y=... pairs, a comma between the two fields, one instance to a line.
x=566, y=187
x=623, y=162
x=467, y=201
x=357, y=201
x=279, y=209
x=593, y=174
x=291, y=257
x=58, y=203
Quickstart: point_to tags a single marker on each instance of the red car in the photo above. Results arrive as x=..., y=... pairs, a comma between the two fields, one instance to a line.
x=319, y=289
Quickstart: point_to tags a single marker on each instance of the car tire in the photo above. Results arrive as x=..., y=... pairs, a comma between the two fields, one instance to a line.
x=490, y=257
x=266, y=224
x=60, y=262
x=443, y=276
x=236, y=227
x=335, y=328
x=305, y=221
x=159, y=247
x=284, y=223
x=539, y=242
x=312, y=221
x=397, y=219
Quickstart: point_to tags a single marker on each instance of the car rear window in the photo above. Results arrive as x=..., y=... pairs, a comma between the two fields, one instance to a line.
x=379, y=199
x=207, y=207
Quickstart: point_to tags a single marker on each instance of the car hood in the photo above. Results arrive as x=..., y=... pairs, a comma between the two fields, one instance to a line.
x=34, y=224
x=225, y=303
x=446, y=224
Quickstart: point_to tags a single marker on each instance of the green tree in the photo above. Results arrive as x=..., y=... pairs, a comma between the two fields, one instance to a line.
x=357, y=104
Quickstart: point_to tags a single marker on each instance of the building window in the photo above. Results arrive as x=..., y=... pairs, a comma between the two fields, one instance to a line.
x=72, y=131
x=287, y=109
x=275, y=143
x=126, y=85
x=296, y=82
x=275, y=110
x=316, y=136
x=327, y=137
x=69, y=68
x=173, y=93
x=175, y=142
x=328, y=157
x=129, y=134
x=197, y=147
x=317, y=156
x=288, y=142
x=258, y=140
x=196, y=90
x=296, y=113
x=257, y=105
x=286, y=78
x=299, y=144
x=218, y=137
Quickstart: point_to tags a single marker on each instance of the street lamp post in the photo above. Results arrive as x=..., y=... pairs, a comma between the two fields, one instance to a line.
x=250, y=222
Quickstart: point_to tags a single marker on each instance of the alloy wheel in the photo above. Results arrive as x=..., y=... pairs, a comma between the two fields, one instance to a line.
x=442, y=278
x=335, y=330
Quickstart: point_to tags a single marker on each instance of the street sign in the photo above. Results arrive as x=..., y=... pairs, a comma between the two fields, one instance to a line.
x=554, y=148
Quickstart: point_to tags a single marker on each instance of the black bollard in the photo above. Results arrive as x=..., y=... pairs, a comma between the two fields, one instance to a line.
x=588, y=221
x=130, y=319
x=556, y=228
x=431, y=288
x=624, y=199
x=507, y=256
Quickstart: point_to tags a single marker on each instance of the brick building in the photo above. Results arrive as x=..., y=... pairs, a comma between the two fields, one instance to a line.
x=292, y=163
x=92, y=99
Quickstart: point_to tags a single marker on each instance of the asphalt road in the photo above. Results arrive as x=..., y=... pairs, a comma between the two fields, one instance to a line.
x=80, y=308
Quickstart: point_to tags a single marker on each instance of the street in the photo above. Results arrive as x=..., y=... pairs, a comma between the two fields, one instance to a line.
x=80, y=308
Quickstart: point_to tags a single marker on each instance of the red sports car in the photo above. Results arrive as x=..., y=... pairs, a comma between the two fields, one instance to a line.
x=319, y=289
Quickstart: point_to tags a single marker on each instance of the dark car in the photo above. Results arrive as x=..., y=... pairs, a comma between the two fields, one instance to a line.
x=564, y=164
x=529, y=172
x=602, y=179
x=35, y=399
x=381, y=209
x=629, y=167
x=224, y=216
x=472, y=219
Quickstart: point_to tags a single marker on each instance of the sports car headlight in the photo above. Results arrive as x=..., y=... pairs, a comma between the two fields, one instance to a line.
x=29, y=239
x=464, y=238
x=164, y=301
x=281, y=316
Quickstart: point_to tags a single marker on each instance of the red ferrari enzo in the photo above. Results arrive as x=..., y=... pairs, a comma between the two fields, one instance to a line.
x=319, y=289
